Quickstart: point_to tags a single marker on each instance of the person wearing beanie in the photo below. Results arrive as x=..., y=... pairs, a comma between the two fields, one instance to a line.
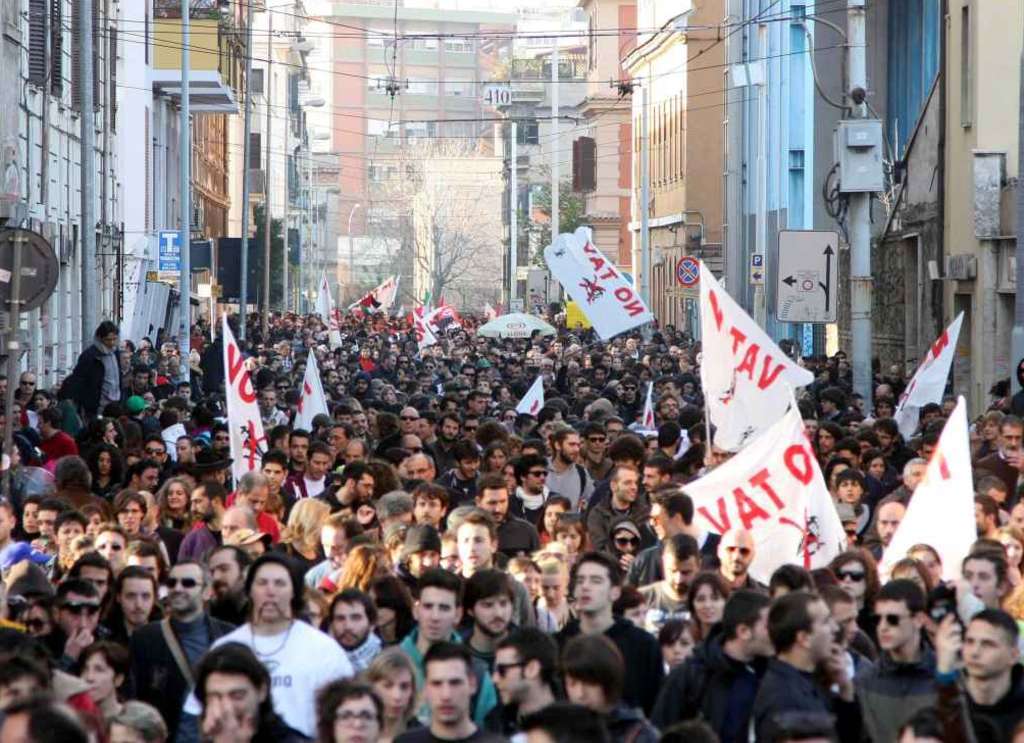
x=422, y=551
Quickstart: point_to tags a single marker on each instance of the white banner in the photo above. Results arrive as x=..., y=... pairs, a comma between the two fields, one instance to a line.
x=929, y=381
x=421, y=328
x=533, y=400
x=244, y=423
x=774, y=489
x=325, y=306
x=746, y=378
x=941, y=513
x=602, y=293
x=489, y=311
x=313, y=401
x=647, y=420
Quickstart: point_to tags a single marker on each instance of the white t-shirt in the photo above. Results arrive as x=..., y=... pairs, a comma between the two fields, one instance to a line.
x=300, y=661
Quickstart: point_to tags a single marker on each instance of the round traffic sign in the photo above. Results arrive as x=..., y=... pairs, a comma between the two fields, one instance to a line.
x=39, y=268
x=688, y=272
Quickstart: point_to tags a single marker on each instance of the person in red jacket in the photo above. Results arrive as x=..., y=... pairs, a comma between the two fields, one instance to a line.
x=55, y=443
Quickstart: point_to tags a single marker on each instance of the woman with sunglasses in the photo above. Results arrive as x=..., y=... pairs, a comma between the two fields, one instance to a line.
x=857, y=573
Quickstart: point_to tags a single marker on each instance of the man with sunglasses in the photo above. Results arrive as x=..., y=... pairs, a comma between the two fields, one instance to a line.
x=158, y=648
x=78, y=618
x=736, y=552
x=902, y=682
x=594, y=451
x=525, y=672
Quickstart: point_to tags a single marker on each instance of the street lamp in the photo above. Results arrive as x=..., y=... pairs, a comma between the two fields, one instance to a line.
x=351, y=252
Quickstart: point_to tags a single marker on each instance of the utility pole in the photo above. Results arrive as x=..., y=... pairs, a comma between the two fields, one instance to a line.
x=513, y=213
x=87, y=162
x=185, y=268
x=555, y=175
x=1017, y=335
x=859, y=218
x=645, y=193
x=246, y=186
x=760, y=294
x=269, y=89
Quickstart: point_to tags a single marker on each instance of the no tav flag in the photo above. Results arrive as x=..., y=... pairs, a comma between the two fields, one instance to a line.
x=941, y=510
x=312, y=402
x=533, y=400
x=774, y=489
x=244, y=423
x=602, y=293
x=929, y=381
x=746, y=378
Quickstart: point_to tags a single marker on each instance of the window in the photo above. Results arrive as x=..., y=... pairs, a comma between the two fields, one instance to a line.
x=378, y=38
x=416, y=129
x=377, y=128
x=422, y=86
x=421, y=44
x=459, y=88
x=528, y=132
x=458, y=46
x=966, y=68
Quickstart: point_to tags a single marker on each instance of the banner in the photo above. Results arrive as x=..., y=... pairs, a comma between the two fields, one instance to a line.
x=774, y=489
x=533, y=400
x=601, y=292
x=325, y=306
x=746, y=378
x=244, y=422
x=377, y=300
x=941, y=513
x=929, y=381
x=313, y=401
x=421, y=328
x=489, y=312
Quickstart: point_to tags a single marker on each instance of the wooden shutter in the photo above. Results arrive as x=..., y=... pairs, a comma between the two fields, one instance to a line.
x=112, y=75
x=57, y=47
x=37, y=42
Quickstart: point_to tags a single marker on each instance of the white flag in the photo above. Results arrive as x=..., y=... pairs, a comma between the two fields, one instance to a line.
x=774, y=489
x=244, y=422
x=325, y=306
x=746, y=378
x=929, y=381
x=647, y=421
x=602, y=293
x=533, y=400
x=421, y=328
x=379, y=299
x=941, y=511
x=489, y=312
x=312, y=402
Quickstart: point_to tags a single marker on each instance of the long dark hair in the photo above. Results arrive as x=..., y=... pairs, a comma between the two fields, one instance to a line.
x=116, y=462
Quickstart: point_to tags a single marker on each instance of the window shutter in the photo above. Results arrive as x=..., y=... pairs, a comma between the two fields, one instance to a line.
x=112, y=76
x=255, y=155
x=583, y=164
x=76, y=61
x=37, y=42
x=57, y=48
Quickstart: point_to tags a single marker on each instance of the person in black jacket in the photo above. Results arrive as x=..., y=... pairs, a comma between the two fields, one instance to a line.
x=804, y=635
x=159, y=649
x=96, y=379
x=719, y=681
x=596, y=584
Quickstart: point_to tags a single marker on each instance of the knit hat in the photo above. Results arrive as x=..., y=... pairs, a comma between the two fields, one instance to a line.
x=421, y=538
x=135, y=405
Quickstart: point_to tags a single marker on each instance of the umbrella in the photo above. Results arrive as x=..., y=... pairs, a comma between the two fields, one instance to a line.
x=514, y=325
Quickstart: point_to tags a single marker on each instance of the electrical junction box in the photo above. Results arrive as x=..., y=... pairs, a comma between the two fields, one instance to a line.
x=858, y=144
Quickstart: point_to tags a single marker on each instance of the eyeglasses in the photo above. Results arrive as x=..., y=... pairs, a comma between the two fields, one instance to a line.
x=855, y=575
x=35, y=625
x=502, y=668
x=410, y=417
x=184, y=582
x=627, y=541
x=28, y=384
x=538, y=473
x=113, y=546
x=347, y=715
x=78, y=608
x=893, y=620
x=743, y=551
x=156, y=451
x=597, y=439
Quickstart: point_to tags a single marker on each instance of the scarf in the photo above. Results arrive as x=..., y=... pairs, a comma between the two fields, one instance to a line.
x=365, y=653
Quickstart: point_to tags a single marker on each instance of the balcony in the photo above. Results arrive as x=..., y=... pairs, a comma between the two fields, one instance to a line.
x=214, y=61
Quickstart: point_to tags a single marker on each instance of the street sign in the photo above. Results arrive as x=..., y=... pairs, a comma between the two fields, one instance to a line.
x=39, y=269
x=498, y=95
x=756, y=269
x=808, y=277
x=688, y=272
x=169, y=258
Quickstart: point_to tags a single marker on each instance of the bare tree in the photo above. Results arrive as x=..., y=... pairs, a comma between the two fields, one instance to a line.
x=443, y=225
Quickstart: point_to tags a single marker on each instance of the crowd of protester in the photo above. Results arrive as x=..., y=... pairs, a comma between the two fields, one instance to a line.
x=427, y=564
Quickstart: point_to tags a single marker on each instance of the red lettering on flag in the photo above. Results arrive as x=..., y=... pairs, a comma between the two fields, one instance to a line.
x=723, y=524
x=799, y=464
x=941, y=342
x=760, y=480
x=235, y=366
x=715, y=309
x=747, y=509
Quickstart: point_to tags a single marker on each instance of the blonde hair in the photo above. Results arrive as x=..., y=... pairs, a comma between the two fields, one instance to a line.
x=304, y=523
x=389, y=662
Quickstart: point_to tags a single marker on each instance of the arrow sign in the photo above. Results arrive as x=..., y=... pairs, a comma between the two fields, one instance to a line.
x=827, y=286
x=801, y=274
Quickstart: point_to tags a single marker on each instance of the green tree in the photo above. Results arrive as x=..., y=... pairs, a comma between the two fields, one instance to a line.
x=276, y=255
x=571, y=214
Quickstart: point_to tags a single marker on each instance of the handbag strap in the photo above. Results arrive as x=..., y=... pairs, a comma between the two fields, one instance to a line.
x=179, y=655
